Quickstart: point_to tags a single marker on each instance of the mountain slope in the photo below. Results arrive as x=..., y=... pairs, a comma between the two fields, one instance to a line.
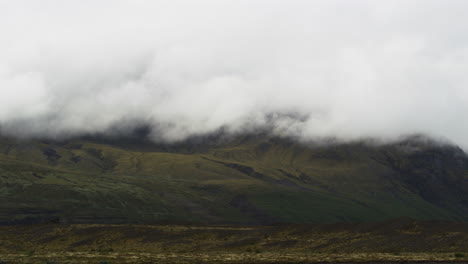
x=250, y=179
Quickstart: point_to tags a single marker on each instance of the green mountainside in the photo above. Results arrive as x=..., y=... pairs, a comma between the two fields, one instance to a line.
x=253, y=179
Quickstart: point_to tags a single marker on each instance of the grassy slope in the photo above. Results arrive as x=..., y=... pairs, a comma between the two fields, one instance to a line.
x=245, y=180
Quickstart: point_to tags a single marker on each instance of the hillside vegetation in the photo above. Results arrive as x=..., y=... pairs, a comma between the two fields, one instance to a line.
x=253, y=179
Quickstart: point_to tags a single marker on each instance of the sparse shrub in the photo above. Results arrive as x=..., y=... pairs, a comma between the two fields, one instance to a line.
x=29, y=253
x=459, y=255
x=103, y=249
x=253, y=250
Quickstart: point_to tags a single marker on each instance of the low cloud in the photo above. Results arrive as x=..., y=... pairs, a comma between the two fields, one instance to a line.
x=345, y=69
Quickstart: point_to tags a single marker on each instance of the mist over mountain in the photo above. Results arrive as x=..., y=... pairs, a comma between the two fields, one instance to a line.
x=308, y=69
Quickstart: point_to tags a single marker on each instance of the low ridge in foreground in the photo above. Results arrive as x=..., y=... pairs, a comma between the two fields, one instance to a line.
x=397, y=241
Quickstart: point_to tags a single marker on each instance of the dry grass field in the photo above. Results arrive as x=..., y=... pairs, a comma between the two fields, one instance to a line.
x=397, y=241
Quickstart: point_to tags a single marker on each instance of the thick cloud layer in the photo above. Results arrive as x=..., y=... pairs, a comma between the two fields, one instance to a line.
x=348, y=69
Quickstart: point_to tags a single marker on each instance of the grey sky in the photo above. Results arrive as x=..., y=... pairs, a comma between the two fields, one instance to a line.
x=350, y=69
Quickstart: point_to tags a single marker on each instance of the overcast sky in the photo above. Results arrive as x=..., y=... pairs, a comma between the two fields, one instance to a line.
x=348, y=69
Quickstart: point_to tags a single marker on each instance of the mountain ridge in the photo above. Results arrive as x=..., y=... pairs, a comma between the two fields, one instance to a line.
x=248, y=179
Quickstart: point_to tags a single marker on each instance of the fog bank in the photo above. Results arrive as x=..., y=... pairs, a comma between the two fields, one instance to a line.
x=345, y=69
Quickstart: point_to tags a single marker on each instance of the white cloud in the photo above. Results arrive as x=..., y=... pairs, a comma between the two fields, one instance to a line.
x=354, y=68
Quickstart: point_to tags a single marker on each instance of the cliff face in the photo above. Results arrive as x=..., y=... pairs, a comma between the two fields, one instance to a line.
x=248, y=180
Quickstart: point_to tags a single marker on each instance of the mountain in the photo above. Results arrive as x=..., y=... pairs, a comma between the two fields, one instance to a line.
x=250, y=179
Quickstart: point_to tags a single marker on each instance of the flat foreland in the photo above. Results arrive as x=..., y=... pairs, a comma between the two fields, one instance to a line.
x=395, y=241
